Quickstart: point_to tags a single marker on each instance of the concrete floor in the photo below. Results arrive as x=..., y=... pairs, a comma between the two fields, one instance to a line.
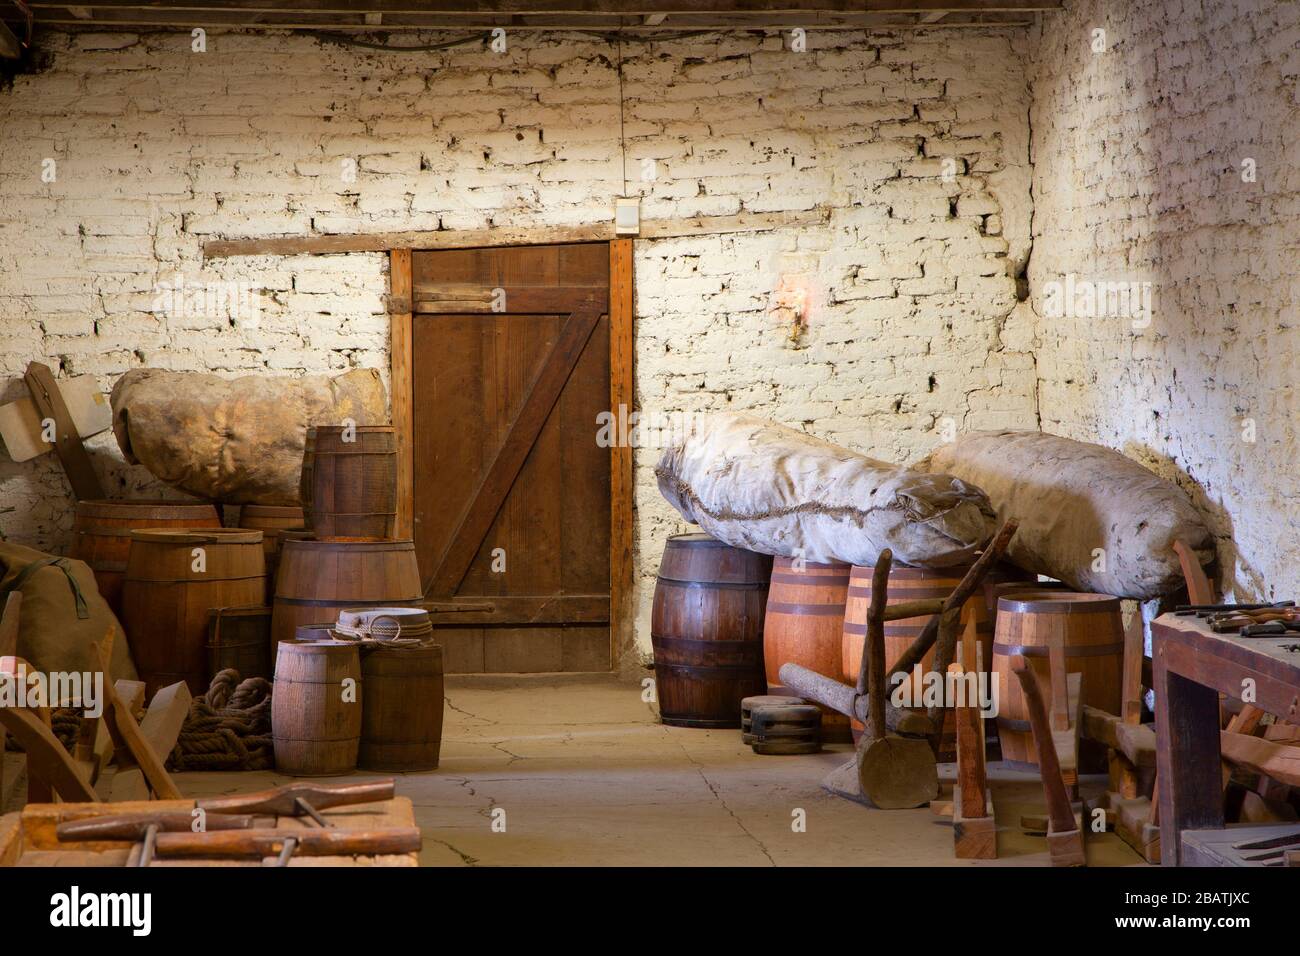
x=586, y=776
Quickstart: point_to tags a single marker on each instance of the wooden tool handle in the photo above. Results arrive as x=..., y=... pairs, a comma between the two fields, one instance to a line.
x=131, y=826
x=1058, y=801
x=320, y=795
x=311, y=842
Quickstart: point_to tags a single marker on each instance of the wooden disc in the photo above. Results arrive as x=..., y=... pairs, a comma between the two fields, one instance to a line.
x=761, y=700
x=898, y=772
x=786, y=729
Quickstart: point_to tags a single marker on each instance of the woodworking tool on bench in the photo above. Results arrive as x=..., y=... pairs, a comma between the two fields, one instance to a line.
x=1202, y=610
x=301, y=799
x=1270, y=629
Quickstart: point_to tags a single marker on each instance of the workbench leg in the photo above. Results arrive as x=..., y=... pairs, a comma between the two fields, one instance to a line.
x=1187, y=757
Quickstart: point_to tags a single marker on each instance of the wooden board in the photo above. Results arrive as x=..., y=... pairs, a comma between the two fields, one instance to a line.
x=621, y=351
x=399, y=277
x=21, y=421
x=67, y=443
x=30, y=838
x=505, y=458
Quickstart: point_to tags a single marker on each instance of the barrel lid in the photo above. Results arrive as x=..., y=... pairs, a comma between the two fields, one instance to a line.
x=112, y=506
x=1057, y=602
x=697, y=539
x=198, y=535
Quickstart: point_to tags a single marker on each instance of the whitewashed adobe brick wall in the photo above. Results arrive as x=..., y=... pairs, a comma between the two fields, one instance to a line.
x=1139, y=149
x=912, y=284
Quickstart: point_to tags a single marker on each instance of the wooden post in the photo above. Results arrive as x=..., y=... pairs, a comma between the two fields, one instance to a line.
x=974, y=829
x=621, y=351
x=402, y=385
x=67, y=442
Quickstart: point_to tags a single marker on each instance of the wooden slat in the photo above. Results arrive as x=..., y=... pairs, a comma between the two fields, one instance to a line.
x=402, y=386
x=522, y=610
x=46, y=758
x=642, y=8
x=520, y=437
x=621, y=351
x=505, y=235
x=1279, y=761
x=67, y=442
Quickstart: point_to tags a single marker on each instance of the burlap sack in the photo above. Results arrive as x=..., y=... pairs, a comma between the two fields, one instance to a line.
x=237, y=441
x=1088, y=515
x=761, y=486
x=62, y=612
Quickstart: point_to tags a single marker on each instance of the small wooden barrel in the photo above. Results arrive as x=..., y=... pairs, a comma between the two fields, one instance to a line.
x=707, y=630
x=401, y=721
x=761, y=700
x=240, y=638
x=786, y=729
x=1092, y=630
x=805, y=624
x=272, y=521
x=102, y=535
x=318, y=578
x=349, y=481
x=316, y=708
x=173, y=579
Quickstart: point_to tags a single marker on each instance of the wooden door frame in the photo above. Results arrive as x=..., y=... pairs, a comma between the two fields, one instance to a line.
x=621, y=352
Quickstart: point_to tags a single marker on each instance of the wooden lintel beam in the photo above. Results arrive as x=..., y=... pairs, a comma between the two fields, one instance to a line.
x=637, y=8
x=506, y=235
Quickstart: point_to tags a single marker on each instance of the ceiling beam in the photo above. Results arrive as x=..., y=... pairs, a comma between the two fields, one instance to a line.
x=640, y=8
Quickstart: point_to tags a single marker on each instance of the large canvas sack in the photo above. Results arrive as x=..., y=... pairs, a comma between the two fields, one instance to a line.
x=62, y=612
x=238, y=441
x=761, y=486
x=1072, y=498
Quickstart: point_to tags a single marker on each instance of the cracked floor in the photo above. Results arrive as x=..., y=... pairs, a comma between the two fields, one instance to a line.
x=582, y=774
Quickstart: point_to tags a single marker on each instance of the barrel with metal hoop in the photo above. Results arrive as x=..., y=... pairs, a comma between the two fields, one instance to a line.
x=1091, y=631
x=707, y=630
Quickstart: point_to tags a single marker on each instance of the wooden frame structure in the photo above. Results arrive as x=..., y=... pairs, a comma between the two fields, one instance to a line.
x=620, y=394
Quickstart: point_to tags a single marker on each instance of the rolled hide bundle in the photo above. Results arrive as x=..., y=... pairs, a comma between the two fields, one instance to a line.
x=761, y=486
x=240, y=440
x=1088, y=515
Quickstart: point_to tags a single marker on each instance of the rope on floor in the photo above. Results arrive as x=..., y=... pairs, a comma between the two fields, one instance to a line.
x=229, y=727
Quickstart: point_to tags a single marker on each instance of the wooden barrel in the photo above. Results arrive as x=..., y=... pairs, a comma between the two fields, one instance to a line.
x=805, y=624
x=318, y=578
x=272, y=521
x=401, y=720
x=707, y=630
x=102, y=534
x=240, y=638
x=349, y=481
x=173, y=579
x=316, y=707
x=1092, y=630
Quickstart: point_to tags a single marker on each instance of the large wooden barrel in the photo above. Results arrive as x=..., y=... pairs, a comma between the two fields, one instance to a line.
x=272, y=521
x=707, y=630
x=173, y=579
x=316, y=708
x=1092, y=630
x=102, y=534
x=318, y=578
x=349, y=481
x=401, y=720
x=805, y=625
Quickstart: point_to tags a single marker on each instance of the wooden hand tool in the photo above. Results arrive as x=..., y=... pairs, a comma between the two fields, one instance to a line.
x=1064, y=835
x=271, y=842
x=132, y=826
x=1270, y=629
x=287, y=800
x=1201, y=610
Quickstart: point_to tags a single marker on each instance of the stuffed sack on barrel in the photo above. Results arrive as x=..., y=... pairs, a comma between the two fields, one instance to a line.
x=707, y=630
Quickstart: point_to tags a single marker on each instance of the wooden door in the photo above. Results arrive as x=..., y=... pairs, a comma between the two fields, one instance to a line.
x=510, y=370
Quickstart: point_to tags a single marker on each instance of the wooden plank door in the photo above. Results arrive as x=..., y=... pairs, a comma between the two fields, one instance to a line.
x=510, y=369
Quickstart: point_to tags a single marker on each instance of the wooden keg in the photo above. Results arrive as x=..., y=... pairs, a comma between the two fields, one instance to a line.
x=272, y=521
x=401, y=719
x=173, y=579
x=707, y=630
x=349, y=481
x=805, y=624
x=780, y=729
x=240, y=638
x=1092, y=630
x=316, y=708
x=318, y=578
x=102, y=534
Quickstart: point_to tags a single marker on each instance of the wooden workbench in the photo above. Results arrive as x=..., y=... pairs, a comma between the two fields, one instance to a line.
x=1191, y=666
x=27, y=837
